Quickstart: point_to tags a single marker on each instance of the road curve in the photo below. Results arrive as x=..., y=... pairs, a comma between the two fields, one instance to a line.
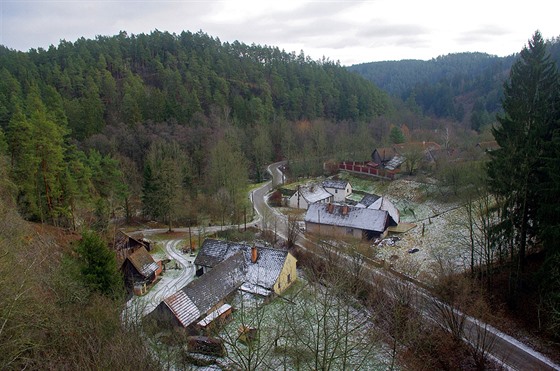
x=170, y=282
x=507, y=351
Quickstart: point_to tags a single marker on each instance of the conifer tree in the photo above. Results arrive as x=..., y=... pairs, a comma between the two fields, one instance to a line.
x=530, y=106
x=99, y=265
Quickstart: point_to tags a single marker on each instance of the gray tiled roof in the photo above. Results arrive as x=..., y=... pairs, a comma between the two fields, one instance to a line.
x=200, y=295
x=335, y=183
x=263, y=273
x=361, y=218
x=368, y=200
x=383, y=203
x=395, y=162
x=143, y=262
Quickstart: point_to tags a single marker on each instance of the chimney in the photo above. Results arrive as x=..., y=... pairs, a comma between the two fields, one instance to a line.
x=345, y=210
x=254, y=254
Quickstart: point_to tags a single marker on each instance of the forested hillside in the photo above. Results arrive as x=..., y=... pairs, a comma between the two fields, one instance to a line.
x=467, y=87
x=91, y=125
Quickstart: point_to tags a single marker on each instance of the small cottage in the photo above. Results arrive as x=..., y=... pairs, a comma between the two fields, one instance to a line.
x=340, y=189
x=307, y=195
x=202, y=301
x=391, y=158
x=124, y=244
x=140, y=270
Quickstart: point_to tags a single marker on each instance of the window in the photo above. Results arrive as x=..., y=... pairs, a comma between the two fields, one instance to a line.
x=349, y=230
x=289, y=278
x=336, y=191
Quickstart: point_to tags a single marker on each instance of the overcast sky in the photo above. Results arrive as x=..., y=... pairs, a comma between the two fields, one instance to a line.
x=348, y=31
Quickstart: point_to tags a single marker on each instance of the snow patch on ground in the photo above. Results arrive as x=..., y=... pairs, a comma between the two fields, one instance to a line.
x=438, y=225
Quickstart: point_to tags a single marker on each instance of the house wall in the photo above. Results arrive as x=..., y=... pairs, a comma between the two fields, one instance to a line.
x=293, y=201
x=333, y=230
x=288, y=275
x=339, y=195
x=163, y=316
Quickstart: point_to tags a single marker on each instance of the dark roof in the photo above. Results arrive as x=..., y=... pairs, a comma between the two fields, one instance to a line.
x=143, y=262
x=124, y=245
x=335, y=183
x=125, y=241
x=355, y=217
x=214, y=251
x=368, y=199
x=200, y=295
x=264, y=272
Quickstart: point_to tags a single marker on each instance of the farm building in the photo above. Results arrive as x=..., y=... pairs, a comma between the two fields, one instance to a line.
x=203, y=300
x=268, y=270
x=140, y=269
x=392, y=158
x=375, y=202
x=346, y=221
x=124, y=244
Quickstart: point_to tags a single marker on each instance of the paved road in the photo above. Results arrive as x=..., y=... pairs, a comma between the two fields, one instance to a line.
x=509, y=352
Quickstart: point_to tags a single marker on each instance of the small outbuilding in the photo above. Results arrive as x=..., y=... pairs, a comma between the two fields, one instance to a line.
x=376, y=202
x=202, y=301
x=140, y=270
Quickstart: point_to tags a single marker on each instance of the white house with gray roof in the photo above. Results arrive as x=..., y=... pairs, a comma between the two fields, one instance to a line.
x=340, y=189
x=346, y=221
x=309, y=194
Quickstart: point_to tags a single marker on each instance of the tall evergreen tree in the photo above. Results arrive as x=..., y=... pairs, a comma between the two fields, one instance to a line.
x=164, y=180
x=99, y=265
x=530, y=115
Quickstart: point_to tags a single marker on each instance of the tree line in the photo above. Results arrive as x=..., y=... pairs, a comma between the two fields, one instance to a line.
x=514, y=217
x=467, y=87
x=100, y=128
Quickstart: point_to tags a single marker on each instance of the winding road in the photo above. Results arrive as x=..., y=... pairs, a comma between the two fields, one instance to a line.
x=507, y=351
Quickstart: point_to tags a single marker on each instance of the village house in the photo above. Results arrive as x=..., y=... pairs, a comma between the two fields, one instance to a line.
x=124, y=244
x=140, y=270
x=346, y=221
x=340, y=189
x=202, y=301
x=307, y=195
x=268, y=270
x=223, y=268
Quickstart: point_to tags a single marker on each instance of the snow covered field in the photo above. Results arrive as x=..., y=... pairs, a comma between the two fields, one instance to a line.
x=438, y=226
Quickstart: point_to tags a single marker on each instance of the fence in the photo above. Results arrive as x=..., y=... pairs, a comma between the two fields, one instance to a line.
x=366, y=168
